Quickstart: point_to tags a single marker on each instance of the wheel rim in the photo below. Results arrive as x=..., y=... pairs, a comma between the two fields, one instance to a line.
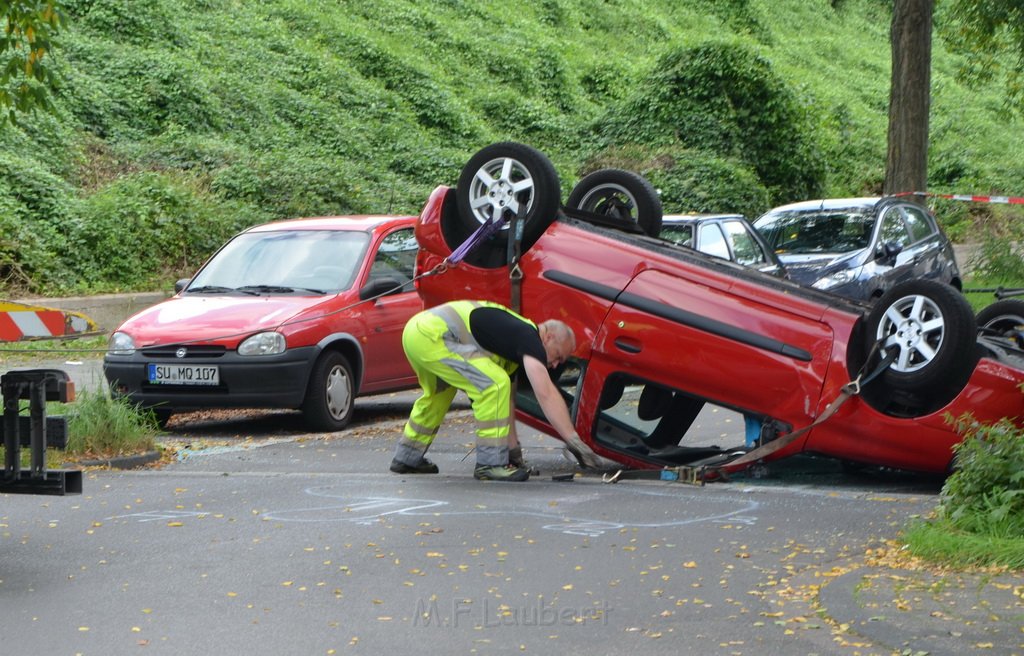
x=610, y=200
x=915, y=326
x=500, y=184
x=1004, y=323
x=338, y=394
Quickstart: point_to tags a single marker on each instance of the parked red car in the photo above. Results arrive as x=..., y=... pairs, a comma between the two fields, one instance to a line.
x=301, y=314
x=666, y=334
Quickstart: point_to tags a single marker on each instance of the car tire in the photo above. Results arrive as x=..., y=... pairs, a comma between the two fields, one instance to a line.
x=1001, y=317
x=330, y=394
x=505, y=176
x=619, y=195
x=933, y=328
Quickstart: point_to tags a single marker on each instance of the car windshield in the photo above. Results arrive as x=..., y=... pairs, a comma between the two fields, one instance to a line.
x=819, y=231
x=282, y=262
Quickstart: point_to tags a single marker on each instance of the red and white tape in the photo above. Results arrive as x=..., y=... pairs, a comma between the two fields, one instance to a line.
x=1005, y=200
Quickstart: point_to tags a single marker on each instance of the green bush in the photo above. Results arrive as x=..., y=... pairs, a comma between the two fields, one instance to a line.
x=722, y=97
x=999, y=259
x=980, y=518
x=133, y=21
x=690, y=180
x=147, y=228
x=296, y=183
x=35, y=206
x=985, y=495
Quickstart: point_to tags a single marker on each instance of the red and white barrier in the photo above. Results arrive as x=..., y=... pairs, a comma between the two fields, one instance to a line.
x=19, y=321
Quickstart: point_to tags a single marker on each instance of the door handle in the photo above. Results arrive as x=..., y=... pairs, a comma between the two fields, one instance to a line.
x=628, y=345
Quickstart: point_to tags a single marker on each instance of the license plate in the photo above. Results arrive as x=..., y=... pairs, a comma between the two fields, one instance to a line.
x=183, y=374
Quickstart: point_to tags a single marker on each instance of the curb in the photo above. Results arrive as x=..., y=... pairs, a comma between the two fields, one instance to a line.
x=923, y=612
x=124, y=462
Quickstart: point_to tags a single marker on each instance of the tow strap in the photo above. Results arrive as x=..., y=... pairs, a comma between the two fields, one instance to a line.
x=698, y=472
x=514, y=251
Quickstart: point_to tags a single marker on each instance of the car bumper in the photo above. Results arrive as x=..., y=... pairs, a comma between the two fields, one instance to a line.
x=276, y=381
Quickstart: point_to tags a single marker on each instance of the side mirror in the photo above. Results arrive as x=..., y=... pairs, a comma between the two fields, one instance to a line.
x=384, y=286
x=887, y=252
x=181, y=284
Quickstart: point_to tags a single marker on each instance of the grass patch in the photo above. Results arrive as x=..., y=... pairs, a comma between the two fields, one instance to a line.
x=941, y=542
x=102, y=427
x=99, y=427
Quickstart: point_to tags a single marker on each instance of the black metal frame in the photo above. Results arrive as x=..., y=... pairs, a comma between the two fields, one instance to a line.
x=37, y=386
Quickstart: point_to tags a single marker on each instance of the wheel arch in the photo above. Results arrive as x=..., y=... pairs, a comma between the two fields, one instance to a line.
x=347, y=345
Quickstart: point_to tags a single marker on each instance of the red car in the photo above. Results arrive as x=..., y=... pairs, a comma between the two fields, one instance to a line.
x=301, y=314
x=667, y=334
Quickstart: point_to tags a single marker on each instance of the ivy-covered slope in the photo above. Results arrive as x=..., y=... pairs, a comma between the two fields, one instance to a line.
x=183, y=121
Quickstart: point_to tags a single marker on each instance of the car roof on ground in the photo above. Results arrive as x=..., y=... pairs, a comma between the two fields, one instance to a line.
x=356, y=222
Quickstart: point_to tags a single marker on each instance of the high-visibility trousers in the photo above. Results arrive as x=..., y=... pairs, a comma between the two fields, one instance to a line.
x=444, y=364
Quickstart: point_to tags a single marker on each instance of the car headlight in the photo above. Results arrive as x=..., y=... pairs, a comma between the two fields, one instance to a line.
x=263, y=344
x=836, y=279
x=121, y=344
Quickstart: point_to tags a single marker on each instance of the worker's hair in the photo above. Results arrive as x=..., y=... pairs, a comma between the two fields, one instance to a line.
x=561, y=331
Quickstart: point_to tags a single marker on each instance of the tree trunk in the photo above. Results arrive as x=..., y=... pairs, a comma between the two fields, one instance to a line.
x=906, y=166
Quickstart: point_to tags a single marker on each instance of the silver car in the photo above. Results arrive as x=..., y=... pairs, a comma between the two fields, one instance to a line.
x=859, y=247
x=728, y=236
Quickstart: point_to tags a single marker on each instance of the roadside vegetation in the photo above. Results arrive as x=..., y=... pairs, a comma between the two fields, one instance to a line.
x=980, y=518
x=99, y=428
x=169, y=136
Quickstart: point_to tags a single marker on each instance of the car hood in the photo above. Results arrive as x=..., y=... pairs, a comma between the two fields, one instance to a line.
x=806, y=269
x=222, y=319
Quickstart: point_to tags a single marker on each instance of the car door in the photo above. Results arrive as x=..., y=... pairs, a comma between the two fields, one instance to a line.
x=926, y=244
x=711, y=240
x=894, y=232
x=385, y=318
x=765, y=352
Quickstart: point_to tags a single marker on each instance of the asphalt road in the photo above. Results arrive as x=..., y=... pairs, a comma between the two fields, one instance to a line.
x=263, y=539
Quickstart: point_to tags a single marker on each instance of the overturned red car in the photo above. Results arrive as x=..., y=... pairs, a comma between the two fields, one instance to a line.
x=667, y=335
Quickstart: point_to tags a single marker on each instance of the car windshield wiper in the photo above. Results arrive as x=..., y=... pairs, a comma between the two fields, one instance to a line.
x=267, y=289
x=210, y=289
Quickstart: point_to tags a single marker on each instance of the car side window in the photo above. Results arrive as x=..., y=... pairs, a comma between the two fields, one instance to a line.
x=920, y=225
x=681, y=235
x=396, y=257
x=893, y=228
x=746, y=250
x=712, y=241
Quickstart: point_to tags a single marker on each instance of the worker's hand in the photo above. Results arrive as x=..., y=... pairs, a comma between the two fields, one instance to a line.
x=587, y=458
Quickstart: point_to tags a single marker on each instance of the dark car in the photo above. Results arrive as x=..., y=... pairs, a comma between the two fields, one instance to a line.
x=304, y=314
x=666, y=334
x=859, y=247
x=728, y=236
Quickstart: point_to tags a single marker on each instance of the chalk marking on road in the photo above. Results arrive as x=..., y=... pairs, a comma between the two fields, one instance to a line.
x=158, y=515
x=365, y=510
x=369, y=510
x=737, y=519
